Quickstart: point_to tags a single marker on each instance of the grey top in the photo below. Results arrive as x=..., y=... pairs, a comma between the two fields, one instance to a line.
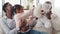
x=8, y=25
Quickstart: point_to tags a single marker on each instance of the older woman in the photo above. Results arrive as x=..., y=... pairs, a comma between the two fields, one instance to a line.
x=43, y=23
x=7, y=23
x=55, y=22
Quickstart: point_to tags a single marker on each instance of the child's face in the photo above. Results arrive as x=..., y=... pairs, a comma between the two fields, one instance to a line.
x=21, y=10
x=9, y=6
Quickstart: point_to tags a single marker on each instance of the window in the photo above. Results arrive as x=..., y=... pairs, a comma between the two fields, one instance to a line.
x=42, y=1
x=13, y=2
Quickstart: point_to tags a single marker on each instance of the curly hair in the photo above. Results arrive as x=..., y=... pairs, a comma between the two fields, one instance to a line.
x=4, y=6
x=16, y=7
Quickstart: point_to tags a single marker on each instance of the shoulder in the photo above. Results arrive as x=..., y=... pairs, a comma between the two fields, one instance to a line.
x=53, y=16
x=3, y=19
x=17, y=16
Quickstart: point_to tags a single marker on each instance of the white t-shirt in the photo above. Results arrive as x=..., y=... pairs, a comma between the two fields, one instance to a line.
x=43, y=25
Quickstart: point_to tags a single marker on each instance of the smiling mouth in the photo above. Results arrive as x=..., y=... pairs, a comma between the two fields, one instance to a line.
x=42, y=12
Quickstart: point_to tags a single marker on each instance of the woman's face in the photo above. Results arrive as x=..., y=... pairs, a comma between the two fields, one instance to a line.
x=9, y=9
x=47, y=6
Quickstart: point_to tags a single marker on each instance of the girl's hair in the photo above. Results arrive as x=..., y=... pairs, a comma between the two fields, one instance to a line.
x=16, y=7
x=4, y=6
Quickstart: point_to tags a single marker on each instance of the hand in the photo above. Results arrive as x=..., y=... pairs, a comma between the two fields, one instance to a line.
x=31, y=22
x=23, y=23
x=25, y=28
x=49, y=15
x=31, y=10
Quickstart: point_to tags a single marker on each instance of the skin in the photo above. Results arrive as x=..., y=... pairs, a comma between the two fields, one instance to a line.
x=20, y=10
x=8, y=11
x=48, y=7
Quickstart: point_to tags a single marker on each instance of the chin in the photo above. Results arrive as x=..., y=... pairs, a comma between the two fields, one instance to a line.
x=42, y=13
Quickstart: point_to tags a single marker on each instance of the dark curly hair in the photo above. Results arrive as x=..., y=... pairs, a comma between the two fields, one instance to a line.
x=16, y=7
x=48, y=2
x=4, y=6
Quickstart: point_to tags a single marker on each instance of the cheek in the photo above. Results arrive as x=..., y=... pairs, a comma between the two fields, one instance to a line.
x=9, y=8
x=22, y=11
x=9, y=13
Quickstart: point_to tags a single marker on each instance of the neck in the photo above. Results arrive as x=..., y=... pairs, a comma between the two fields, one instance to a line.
x=9, y=15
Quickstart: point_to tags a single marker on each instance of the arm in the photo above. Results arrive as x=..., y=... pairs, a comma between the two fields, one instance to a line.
x=28, y=14
x=6, y=29
x=32, y=20
x=55, y=22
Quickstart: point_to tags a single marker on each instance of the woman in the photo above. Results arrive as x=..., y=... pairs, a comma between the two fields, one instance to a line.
x=20, y=17
x=43, y=23
x=55, y=22
x=7, y=23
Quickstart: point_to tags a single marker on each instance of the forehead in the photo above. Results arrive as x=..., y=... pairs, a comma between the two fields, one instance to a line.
x=9, y=5
x=45, y=5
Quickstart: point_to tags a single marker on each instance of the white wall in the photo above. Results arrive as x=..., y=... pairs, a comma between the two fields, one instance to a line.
x=56, y=3
x=57, y=7
x=13, y=2
x=0, y=8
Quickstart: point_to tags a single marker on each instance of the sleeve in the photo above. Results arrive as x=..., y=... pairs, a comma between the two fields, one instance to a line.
x=12, y=24
x=6, y=29
x=17, y=19
x=33, y=23
x=28, y=13
x=47, y=25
